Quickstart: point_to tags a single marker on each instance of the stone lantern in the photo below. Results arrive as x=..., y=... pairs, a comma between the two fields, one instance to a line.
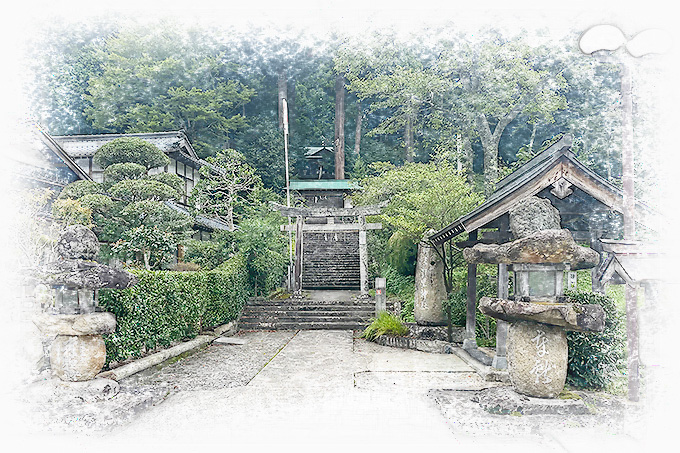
x=538, y=313
x=71, y=317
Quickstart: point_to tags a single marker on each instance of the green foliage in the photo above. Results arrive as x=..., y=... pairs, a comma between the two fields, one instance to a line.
x=210, y=254
x=130, y=149
x=71, y=212
x=225, y=194
x=148, y=245
x=79, y=189
x=264, y=249
x=165, y=307
x=421, y=196
x=125, y=170
x=171, y=180
x=385, y=324
x=485, y=326
x=156, y=213
x=143, y=189
x=401, y=287
x=595, y=359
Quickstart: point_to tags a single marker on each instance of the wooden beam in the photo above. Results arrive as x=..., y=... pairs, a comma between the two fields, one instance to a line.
x=329, y=212
x=334, y=227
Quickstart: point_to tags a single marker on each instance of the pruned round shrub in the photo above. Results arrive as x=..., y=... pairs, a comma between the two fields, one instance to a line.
x=126, y=170
x=155, y=213
x=595, y=359
x=130, y=149
x=143, y=189
x=79, y=189
x=173, y=181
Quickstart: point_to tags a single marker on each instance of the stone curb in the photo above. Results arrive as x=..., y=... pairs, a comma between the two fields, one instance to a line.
x=154, y=359
x=487, y=373
x=433, y=346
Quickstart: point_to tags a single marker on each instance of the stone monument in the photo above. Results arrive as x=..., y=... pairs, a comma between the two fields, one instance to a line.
x=71, y=318
x=429, y=283
x=538, y=313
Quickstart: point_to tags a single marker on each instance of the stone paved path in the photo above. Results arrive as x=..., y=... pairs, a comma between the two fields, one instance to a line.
x=323, y=389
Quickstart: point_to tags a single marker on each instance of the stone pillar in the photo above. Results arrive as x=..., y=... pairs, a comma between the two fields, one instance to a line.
x=430, y=288
x=380, y=295
x=363, y=257
x=500, y=361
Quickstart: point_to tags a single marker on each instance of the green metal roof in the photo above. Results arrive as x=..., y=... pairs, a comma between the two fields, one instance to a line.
x=324, y=184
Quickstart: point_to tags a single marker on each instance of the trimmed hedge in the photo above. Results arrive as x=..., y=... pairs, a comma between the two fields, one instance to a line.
x=596, y=359
x=165, y=307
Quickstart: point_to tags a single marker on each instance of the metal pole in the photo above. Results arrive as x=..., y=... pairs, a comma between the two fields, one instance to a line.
x=285, y=150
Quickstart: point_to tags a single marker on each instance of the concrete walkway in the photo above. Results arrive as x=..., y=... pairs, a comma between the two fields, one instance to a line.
x=318, y=390
x=326, y=389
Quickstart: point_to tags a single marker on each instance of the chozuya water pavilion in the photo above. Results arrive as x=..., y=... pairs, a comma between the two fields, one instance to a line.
x=589, y=207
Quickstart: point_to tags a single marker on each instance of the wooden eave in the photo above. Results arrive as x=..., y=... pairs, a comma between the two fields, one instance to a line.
x=59, y=151
x=547, y=168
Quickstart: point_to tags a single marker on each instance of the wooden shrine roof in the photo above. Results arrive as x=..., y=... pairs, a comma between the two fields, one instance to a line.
x=556, y=166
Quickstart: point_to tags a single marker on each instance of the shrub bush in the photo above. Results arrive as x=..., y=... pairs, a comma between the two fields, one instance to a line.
x=402, y=287
x=166, y=307
x=485, y=326
x=130, y=149
x=596, y=358
x=385, y=324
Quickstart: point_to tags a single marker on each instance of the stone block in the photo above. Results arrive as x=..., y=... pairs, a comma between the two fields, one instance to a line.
x=78, y=242
x=545, y=246
x=537, y=359
x=570, y=316
x=77, y=358
x=88, y=324
x=531, y=215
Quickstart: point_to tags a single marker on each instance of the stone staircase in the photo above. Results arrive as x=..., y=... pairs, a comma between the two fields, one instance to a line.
x=331, y=261
x=306, y=314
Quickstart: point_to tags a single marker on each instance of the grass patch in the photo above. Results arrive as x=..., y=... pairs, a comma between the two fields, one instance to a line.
x=385, y=324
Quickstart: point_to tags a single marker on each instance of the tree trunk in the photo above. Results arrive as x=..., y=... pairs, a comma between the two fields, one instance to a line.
x=283, y=93
x=147, y=257
x=339, y=127
x=469, y=156
x=357, y=133
x=408, y=139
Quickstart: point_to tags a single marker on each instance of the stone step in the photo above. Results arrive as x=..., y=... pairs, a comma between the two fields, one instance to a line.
x=293, y=319
x=302, y=326
x=329, y=310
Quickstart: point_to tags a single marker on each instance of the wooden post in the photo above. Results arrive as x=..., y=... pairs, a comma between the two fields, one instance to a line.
x=297, y=272
x=500, y=360
x=470, y=341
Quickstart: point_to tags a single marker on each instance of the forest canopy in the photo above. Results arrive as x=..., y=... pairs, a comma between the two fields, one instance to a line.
x=485, y=102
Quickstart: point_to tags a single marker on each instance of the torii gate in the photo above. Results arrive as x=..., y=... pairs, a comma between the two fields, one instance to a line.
x=359, y=225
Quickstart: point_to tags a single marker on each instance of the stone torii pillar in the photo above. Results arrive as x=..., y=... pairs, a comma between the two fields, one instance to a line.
x=330, y=226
